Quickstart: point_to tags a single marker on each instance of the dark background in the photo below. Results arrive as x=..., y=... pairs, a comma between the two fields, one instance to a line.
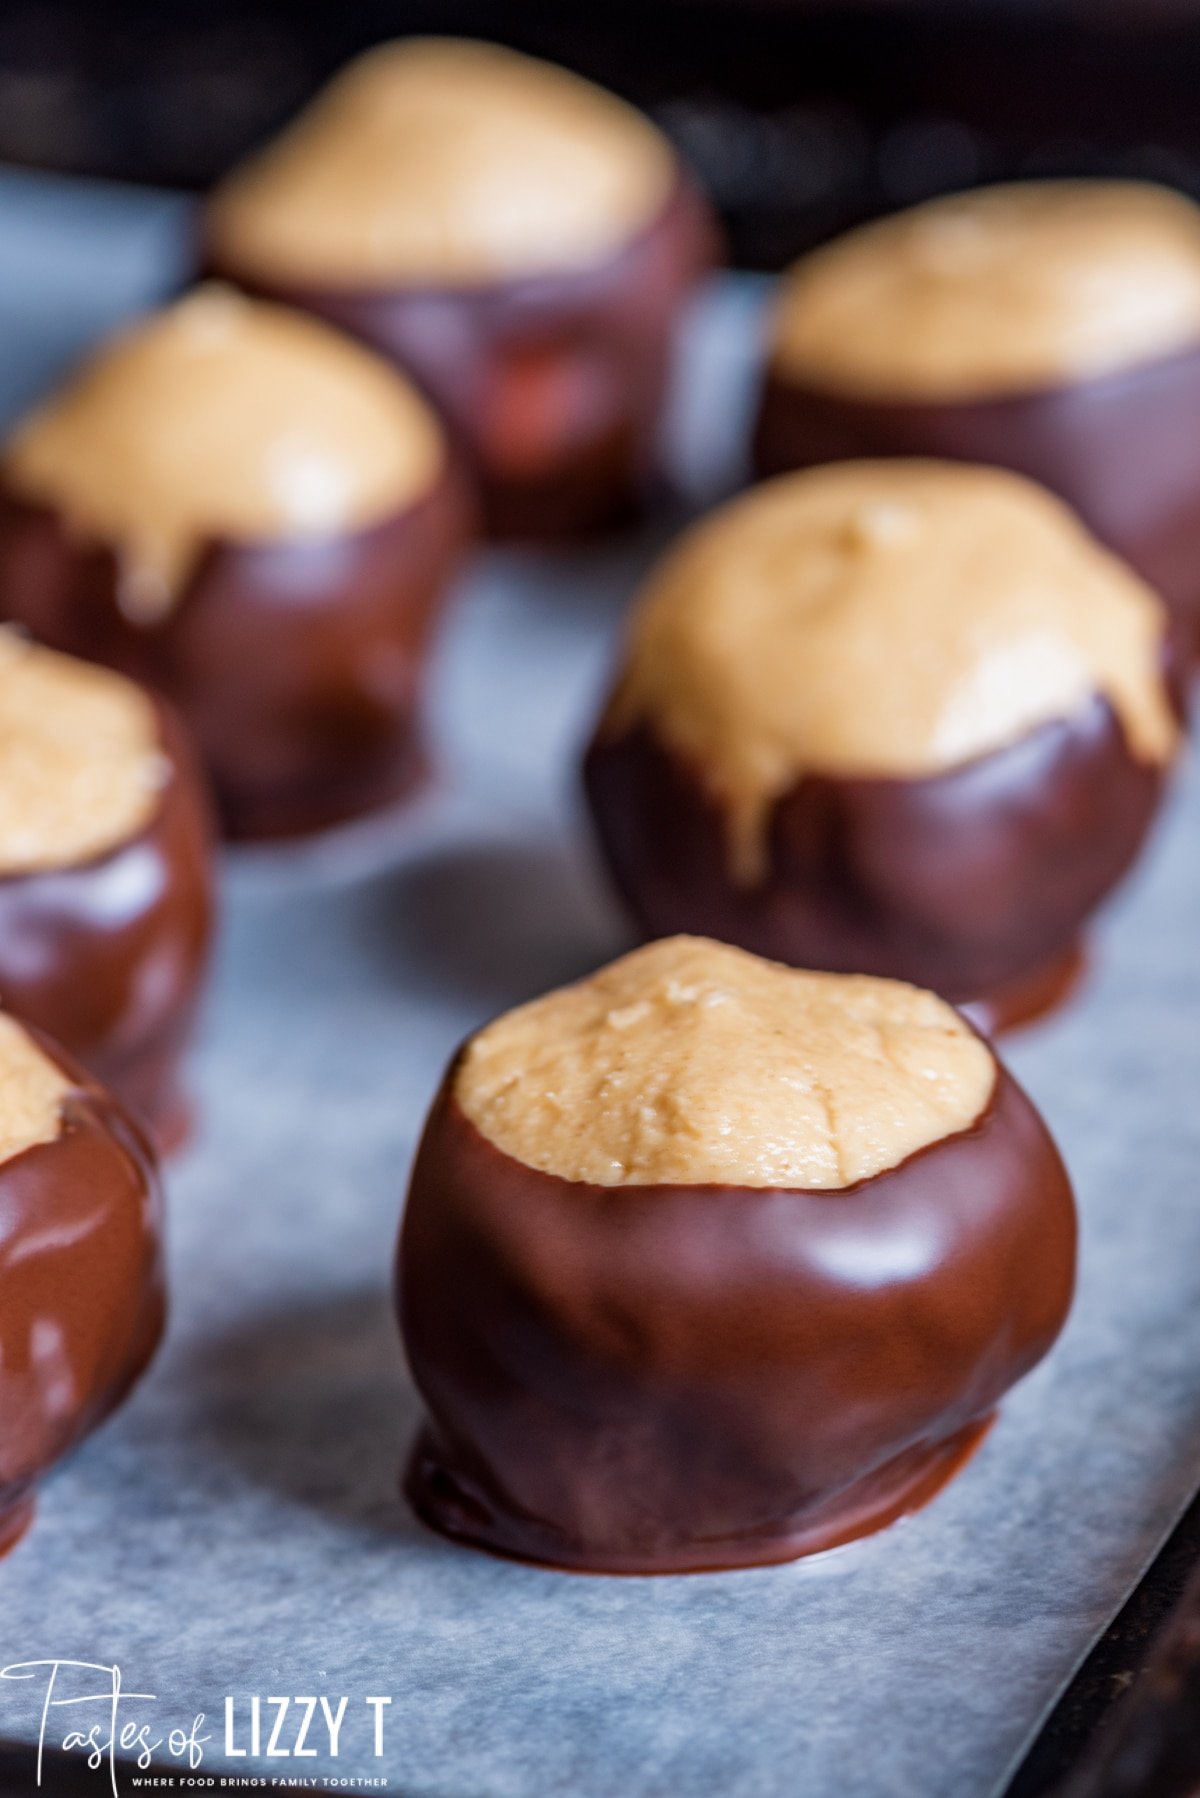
x=801, y=117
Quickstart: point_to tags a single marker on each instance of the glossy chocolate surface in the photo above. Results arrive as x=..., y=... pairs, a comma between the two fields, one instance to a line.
x=109, y=956
x=1122, y=449
x=296, y=664
x=651, y=1379
x=552, y=385
x=81, y=1288
x=969, y=882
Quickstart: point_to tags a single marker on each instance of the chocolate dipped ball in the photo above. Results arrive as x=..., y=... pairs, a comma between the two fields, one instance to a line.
x=106, y=875
x=709, y=1262
x=1050, y=327
x=902, y=718
x=257, y=518
x=518, y=240
x=81, y=1292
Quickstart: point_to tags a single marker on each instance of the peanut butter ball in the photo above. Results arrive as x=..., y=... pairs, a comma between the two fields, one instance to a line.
x=254, y=515
x=710, y=1262
x=106, y=874
x=902, y=717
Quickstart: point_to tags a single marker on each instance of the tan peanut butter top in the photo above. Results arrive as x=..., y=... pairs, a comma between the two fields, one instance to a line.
x=82, y=768
x=693, y=1063
x=892, y=618
x=32, y=1090
x=220, y=417
x=1006, y=290
x=445, y=162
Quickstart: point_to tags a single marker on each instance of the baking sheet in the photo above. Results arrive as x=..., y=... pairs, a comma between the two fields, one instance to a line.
x=236, y=1531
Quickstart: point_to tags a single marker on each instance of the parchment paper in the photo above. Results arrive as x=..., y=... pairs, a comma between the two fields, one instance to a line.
x=237, y=1529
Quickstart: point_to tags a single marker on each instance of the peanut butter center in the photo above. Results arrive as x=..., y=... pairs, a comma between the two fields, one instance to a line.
x=446, y=162
x=692, y=1063
x=32, y=1090
x=223, y=418
x=1006, y=290
x=81, y=766
x=893, y=618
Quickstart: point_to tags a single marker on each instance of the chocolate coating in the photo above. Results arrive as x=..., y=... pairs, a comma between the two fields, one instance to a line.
x=653, y=1379
x=296, y=663
x=970, y=882
x=80, y=1267
x=109, y=956
x=1121, y=448
x=553, y=384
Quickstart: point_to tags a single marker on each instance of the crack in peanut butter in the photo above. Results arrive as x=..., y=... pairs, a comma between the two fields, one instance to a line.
x=1005, y=290
x=81, y=763
x=887, y=619
x=32, y=1090
x=223, y=418
x=447, y=162
x=690, y=1062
